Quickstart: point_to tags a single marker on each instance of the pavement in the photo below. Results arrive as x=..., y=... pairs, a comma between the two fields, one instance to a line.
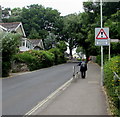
x=81, y=97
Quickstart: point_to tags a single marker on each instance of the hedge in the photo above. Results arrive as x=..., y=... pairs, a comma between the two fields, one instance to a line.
x=59, y=56
x=98, y=59
x=35, y=59
x=113, y=85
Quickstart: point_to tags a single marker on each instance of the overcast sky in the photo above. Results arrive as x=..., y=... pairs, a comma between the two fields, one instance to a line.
x=63, y=6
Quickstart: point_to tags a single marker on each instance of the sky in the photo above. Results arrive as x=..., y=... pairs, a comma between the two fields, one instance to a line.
x=65, y=7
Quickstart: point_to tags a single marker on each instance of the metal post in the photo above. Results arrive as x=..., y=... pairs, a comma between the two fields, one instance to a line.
x=102, y=66
x=101, y=12
x=101, y=47
x=109, y=51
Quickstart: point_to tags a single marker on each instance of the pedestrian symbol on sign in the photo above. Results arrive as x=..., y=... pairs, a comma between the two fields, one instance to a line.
x=102, y=35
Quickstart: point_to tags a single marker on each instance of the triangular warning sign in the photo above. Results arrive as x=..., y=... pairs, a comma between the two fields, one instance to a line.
x=102, y=35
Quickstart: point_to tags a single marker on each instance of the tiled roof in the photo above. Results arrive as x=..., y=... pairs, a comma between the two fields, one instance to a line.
x=35, y=41
x=10, y=26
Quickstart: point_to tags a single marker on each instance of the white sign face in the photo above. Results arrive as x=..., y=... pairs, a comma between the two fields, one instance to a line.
x=102, y=37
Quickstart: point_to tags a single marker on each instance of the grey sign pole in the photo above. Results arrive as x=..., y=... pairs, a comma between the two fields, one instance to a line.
x=109, y=51
x=101, y=48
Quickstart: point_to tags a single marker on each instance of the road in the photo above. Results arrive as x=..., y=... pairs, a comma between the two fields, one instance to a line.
x=21, y=93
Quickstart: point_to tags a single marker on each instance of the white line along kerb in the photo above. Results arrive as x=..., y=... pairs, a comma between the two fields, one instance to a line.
x=63, y=87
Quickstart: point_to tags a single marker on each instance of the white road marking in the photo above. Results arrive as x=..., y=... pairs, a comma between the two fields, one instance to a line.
x=63, y=87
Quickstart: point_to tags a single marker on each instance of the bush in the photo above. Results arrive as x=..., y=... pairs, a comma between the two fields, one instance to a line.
x=44, y=58
x=9, y=48
x=27, y=58
x=115, y=48
x=35, y=59
x=40, y=59
x=62, y=46
x=98, y=59
x=48, y=58
x=112, y=85
x=59, y=56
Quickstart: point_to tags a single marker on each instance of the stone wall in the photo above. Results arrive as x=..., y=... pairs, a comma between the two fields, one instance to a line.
x=19, y=67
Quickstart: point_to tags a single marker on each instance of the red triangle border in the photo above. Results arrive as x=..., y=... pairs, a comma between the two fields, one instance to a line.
x=104, y=33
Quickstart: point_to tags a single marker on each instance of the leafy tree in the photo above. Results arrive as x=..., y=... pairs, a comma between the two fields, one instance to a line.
x=62, y=46
x=91, y=19
x=34, y=34
x=59, y=57
x=10, y=43
x=41, y=19
x=114, y=25
x=16, y=12
x=110, y=8
x=80, y=51
x=50, y=41
x=69, y=30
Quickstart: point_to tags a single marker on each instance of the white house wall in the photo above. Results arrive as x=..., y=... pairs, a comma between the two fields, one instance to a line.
x=26, y=44
x=19, y=30
x=23, y=48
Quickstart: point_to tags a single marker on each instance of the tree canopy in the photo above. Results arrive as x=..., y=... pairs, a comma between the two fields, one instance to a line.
x=76, y=29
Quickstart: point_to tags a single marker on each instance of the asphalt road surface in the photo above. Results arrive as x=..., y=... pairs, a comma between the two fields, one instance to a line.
x=21, y=93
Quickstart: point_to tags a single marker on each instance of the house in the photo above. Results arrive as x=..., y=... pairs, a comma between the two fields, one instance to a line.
x=5, y=13
x=13, y=27
x=26, y=44
x=37, y=44
x=2, y=29
x=30, y=44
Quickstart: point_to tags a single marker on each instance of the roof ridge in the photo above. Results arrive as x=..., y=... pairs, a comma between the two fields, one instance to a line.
x=11, y=23
x=34, y=39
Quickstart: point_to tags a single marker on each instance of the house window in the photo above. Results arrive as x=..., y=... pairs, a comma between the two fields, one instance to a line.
x=23, y=43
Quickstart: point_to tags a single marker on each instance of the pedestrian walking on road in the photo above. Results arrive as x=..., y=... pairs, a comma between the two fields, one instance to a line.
x=83, y=68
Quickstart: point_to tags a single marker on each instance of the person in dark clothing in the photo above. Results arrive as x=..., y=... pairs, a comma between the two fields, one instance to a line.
x=83, y=68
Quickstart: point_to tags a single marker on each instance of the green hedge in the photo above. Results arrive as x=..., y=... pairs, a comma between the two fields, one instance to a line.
x=98, y=59
x=59, y=56
x=35, y=59
x=40, y=59
x=112, y=85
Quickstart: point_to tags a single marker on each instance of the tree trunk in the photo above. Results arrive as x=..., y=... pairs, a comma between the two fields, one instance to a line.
x=87, y=55
x=70, y=48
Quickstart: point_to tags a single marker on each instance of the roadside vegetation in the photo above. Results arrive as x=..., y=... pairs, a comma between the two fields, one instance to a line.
x=78, y=30
x=37, y=59
x=114, y=51
x=112, y=84
x=34, y=59
x=8, y=49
